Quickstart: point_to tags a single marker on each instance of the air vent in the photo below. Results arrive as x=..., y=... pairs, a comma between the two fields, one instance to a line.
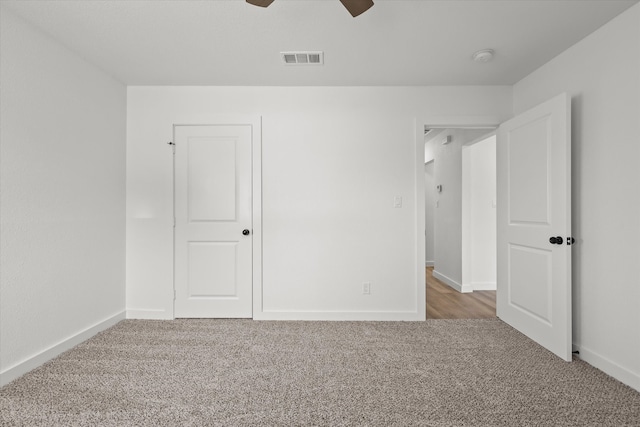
x=302, y=58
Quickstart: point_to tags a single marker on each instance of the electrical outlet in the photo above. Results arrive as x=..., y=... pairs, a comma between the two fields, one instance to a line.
x=366, y=288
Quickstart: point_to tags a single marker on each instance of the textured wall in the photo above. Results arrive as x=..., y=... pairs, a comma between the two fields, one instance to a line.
x=482, y=215
x=62, y=194
x=429, y=211
x=333, y=159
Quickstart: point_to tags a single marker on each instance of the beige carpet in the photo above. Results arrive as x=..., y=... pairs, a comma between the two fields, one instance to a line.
x=246, y=373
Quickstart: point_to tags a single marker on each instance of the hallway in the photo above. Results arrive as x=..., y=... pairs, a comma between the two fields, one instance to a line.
x=443, y=302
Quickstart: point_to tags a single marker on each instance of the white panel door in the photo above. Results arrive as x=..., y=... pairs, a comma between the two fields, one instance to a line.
x=213, y=238
x=534, y=224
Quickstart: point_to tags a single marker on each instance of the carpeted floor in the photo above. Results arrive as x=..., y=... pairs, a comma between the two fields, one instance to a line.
x=249, y=373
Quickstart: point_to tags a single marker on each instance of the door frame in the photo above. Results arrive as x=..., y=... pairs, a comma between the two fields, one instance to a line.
x=256, y=202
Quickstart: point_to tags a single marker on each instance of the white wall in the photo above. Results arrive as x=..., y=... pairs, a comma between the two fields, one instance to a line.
x=448, y=215
x=481, y=214
x=429, y=211
x=62, y=203
x=333, y=160
x=602, y=75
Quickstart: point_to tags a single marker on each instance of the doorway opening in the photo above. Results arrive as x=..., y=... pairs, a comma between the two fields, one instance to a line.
x=460, y=223
x=533, y=171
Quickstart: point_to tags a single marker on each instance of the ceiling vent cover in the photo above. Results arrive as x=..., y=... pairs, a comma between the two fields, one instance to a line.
x=302, y=58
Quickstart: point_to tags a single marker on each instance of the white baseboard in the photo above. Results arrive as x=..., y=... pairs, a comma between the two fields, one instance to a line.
x=452, y=283
x=410, y=316
x=484, y=286
x=148, y=314
x=429, y=263
x=44, y=356
x=609, y=367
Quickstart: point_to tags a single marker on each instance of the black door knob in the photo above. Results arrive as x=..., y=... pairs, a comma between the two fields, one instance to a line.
x=556, y=240
x=246, y=232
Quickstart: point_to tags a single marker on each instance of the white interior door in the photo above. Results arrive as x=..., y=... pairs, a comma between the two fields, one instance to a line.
x=213, y=232
x=534, y=224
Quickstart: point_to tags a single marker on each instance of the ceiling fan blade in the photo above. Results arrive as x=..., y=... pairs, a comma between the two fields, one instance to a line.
x=356, y=7
x=261, y=3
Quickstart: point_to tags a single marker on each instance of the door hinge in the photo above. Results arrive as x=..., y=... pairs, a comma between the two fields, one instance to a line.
x=174, y=222
x=174, y=294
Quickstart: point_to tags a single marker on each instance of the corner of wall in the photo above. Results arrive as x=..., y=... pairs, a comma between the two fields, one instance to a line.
x=33, y=361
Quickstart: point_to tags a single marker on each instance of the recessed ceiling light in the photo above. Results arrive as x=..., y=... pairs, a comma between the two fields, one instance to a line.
x=484, y=55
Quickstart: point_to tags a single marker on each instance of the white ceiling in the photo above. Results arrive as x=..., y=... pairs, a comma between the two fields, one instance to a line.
x=396, y=42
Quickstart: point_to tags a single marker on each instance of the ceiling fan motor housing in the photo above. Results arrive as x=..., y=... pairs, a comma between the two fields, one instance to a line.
x=355, y=7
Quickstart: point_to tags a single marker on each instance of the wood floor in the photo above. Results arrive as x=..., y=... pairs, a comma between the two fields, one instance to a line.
x=443, y=302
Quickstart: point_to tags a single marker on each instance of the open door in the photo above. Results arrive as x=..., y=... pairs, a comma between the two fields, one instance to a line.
x=534, y=224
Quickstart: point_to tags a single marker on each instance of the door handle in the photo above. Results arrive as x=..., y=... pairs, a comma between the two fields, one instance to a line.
x=556, y=240
x=246, y=232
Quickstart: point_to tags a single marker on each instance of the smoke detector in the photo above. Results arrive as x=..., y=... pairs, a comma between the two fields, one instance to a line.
x=484, y=55
x=302, y=58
